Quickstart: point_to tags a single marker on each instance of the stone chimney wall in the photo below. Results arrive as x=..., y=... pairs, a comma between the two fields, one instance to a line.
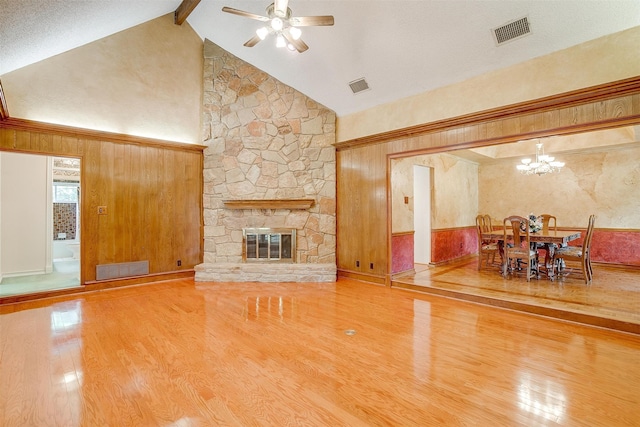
x=264, y=140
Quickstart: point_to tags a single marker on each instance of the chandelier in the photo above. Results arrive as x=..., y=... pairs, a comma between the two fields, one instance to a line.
x=543, y=163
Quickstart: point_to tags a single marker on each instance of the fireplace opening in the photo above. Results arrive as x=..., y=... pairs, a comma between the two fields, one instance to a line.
x=268, y=245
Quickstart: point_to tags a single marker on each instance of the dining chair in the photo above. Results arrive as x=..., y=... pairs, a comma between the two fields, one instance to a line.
x=520, y=247
x=580, y=254
x=548, y=223
x=487, y=249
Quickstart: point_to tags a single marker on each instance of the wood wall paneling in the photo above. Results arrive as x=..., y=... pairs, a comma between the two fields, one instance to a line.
x=362, y=162
x=153, y=195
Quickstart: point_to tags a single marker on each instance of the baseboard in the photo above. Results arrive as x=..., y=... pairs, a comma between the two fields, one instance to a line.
x=364, y=277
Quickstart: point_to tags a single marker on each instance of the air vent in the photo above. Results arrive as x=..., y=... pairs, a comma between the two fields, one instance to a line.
x=511, y=31
x=359, y=85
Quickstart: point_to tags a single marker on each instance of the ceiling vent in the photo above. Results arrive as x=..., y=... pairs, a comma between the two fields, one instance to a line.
x=359, y=85
x=511, y=31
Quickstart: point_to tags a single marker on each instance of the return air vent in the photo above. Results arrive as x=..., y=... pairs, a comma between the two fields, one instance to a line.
x=359, y=85
x=122, y=269
x=511, y=30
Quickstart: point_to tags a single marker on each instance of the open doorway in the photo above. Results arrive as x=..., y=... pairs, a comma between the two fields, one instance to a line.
x=39, y=223
x=422, y=216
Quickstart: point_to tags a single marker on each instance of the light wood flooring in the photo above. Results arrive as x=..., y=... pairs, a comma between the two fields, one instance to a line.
x=180, y=353
x=612, y=300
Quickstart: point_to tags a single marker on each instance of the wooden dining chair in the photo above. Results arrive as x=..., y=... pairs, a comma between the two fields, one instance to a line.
x=487, y=248
x=520, y=247
x=548, y=223
x=580, y=254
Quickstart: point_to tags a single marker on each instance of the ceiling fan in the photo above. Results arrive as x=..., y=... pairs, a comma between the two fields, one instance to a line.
x=282, y=24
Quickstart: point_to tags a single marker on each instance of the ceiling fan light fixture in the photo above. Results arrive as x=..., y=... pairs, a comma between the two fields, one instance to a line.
x=277, y=24
x=295, y=32
x=280, y=42
x=262, y=32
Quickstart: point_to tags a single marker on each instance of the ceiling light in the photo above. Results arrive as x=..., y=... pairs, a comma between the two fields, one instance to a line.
x=277, y=24
x=542, y=165
x=295, y=32
x=280, y=42
x=262, y=32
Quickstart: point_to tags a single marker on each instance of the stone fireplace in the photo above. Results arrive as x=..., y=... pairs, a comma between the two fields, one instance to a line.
x=269, y=163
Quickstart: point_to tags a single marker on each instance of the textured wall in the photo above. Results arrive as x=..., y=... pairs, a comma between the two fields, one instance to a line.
x=606, y=59
x=265, y=140
x=144, y=81
x=607, y=184
x=454, y=199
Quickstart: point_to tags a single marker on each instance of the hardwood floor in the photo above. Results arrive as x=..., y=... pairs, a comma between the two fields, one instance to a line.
x=180, y=353
x=611, y=301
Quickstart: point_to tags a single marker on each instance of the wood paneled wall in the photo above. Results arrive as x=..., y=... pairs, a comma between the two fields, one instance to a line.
x=152, y=191
x=363, y=199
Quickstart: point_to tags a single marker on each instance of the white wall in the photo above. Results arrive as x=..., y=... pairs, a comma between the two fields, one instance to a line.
x=24, y=191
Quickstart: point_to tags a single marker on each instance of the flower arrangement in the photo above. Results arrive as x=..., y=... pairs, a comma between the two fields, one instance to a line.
x=535, y=223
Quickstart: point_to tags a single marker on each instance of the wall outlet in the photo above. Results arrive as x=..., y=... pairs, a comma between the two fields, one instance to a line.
x=357, y=263
x=179, y=262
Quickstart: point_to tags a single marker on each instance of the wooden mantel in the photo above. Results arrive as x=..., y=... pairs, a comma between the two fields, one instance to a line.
x=269, y=204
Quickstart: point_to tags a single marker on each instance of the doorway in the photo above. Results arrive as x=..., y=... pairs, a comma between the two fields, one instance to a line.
x=39, y=223
x=422, y=214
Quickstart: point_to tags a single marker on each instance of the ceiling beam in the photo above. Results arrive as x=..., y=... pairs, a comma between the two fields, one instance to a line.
x=4, y=111
x=183, y=11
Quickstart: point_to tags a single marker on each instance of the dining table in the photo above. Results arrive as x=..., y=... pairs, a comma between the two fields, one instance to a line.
x=549, y=238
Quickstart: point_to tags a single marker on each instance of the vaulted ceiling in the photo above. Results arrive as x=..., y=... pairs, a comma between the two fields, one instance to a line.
x=400, y=47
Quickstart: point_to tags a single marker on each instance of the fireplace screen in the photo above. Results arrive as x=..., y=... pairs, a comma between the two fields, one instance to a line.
x=269, y=244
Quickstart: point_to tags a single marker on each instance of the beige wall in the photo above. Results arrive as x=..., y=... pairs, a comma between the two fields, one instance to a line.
x=604, y=183
x=599, y=61
x=144, y=81
x=454, y=199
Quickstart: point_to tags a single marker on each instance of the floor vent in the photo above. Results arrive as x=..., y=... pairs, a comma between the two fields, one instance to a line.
x=122, y=269
x=359, y=85
x=511, y=31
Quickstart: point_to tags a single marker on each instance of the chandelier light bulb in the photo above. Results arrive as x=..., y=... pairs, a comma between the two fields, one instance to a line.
x=280, y=42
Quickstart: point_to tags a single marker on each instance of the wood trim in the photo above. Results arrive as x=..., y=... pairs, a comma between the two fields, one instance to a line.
x=99, y=286
x=439, y=230
x=34, y=126
x=4, y=110
x=403, y=233
x=563, y=100
x=184, y=10
x=364, y=277
x=269, y=204
x=587, y=319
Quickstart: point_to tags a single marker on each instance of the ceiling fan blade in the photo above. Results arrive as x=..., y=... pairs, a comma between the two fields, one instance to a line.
x=252, y=41
x=298, y=44
x=311, y=21
x=245, y=14
x=280, y=8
